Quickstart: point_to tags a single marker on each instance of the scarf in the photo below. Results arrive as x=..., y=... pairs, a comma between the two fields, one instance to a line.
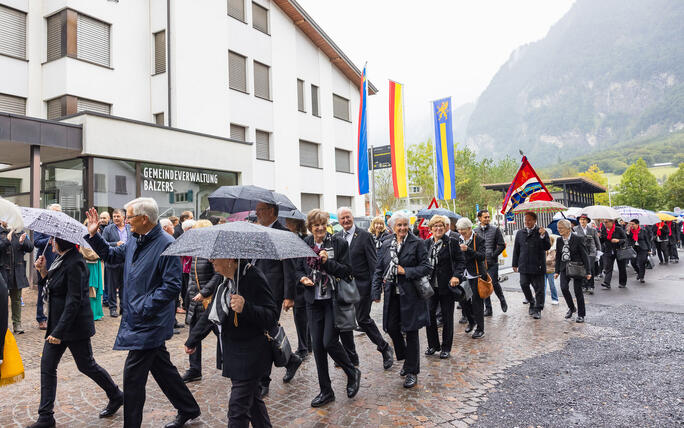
x=434, y=252
x=660, y=228
x=391, y=273
x=318, y=274
x=53, y=267
x=635, y=234
x=610, y=231
x=565, y=252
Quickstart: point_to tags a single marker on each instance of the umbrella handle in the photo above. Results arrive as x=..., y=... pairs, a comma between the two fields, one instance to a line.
x=45, y=247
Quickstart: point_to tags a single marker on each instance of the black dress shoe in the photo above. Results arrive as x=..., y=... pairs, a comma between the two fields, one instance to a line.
x=504, y=305
x=112, y=407
x=322, y=399
x=402, y=373
x=641, y=280
x=568, y=314
x=181, y=419
x=579, y=320
x=463, y=320
x=43, y=424
x=430, y=351
x=488, y=312
x=443, y=355
x=387, y=358
x=410, y=381
x=178, y=325
x=469, y=328
x=622, y=286
x=590, y=291
x=113, y=313
x=263, y=391
x=478, y=334
x=291, y=368
x=353, y=383
x=606, y=286
x=191, y=376
x=302, y=354
x=537, y=315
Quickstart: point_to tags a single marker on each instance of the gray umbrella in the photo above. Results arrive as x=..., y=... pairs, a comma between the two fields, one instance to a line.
x=283, y=202
x=54, y=223
x=239, y=240
x=234, y=199
x=429, y=213
x=294, y=214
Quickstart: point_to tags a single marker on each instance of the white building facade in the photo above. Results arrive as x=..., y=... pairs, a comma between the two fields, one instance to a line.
x=240, y=91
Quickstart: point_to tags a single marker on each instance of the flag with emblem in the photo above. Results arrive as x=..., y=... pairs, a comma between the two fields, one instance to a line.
x=444, y=149
x=526, y=187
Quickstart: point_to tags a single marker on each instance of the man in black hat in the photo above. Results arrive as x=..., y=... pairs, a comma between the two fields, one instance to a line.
x=592, y=243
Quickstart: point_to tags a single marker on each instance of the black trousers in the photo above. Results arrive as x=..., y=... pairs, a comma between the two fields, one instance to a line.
x=473, y=309
x=405, y=349
x=493, y=270
x=639, y=264
x=196, y=357
x=673, y=250
x=445, y=299
x=608, y=263
x=4, y=314
x=588, y=284
x=266, y=379
x=565, y=288
x=663, y=249
x=368, y=326
x=245, y=406
x=156, y=360
x=302, y=325
x=82, y=352
x=536, y=281
x=325, y=340
x=114, y=278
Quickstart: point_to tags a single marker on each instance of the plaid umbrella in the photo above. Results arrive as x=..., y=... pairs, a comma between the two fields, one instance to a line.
x=55, y=223
x=539, y=207
x=239, y=240
x=645, y=217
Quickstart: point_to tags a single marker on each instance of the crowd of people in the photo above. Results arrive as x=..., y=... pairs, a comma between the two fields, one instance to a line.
x=387, y=264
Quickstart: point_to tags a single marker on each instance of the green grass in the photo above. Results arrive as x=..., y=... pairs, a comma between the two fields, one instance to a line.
x=661, y=173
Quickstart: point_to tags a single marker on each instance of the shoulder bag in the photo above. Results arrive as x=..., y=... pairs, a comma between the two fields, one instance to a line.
x=485, y=288
x=280, y=347
x=458, y=291
x=423, y=288
x=626, y=253
x=575, y=270
x=346, y=292
x=345, y=316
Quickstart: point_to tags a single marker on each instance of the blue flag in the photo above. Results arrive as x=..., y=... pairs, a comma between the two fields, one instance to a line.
x=362, y=148
x=444, y=150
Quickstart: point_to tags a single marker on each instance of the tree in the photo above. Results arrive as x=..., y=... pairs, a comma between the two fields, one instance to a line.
x=420, y=169
x=594, y=173
x=384, y=190
x=673, y=189
x=638, y=187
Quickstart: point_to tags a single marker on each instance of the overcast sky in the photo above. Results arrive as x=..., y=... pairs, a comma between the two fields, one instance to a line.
x=437, y=48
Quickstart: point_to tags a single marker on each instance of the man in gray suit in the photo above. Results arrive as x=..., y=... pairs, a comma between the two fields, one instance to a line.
x=590, y=238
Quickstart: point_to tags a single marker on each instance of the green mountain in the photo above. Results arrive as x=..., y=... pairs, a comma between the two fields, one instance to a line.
x=609, y=71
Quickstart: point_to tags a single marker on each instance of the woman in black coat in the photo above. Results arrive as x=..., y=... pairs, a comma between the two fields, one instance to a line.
x=13, y=246
x=70, y=325
x=401, y=261
x=570, y=248
x=474, y=251
x=640, y=240
x=612, y=239
x=378, y=231
x=447, y=264
x=317, y=276
x=244, y=307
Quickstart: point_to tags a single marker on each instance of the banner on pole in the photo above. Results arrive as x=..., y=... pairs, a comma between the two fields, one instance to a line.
x=362, y=148
x=526, y=187
x=396, y=129
x=444, y=149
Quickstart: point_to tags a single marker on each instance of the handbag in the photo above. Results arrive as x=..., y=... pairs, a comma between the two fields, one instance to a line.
x=423, y=288
x=280, y=347
x=626, y=253
x=347, y=292
x=575, y=270
x=345, y=316
x=485, y=288
x=458, y=291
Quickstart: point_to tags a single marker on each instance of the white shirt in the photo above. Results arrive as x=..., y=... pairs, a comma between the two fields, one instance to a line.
x=349, y=234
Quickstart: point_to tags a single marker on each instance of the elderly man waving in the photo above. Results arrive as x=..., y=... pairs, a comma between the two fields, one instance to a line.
x=152, y=284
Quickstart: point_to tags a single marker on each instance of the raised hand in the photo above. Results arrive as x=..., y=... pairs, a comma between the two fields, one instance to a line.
x=93, y=221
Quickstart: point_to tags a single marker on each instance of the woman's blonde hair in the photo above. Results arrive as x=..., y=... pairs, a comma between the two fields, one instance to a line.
x=202, y=223
x=438, y=219
x=377, y=220
x=316, y=216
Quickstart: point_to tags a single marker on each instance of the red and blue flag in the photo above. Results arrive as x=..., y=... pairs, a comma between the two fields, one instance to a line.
x=526, y=187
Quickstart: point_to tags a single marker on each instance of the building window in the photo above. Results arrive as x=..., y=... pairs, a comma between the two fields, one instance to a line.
x=100, y=183
x=340, y=107
x=414, y=189
x=69, y=104
x=308, y=154
x=260, y=18
x=236, y=9
x=12, y=32
x=95, y=106
x=342, y=160
x=314, y=101
x=344, y=201
x=300, y=95
x=90, y=42
x=159, y=118
x=56, y=108
x=238, y=132
x=237, y=72
x=263, y=145
x=262, y=81
x=160, y=52
x=120, y=185
x=310, y=201
x=12, y=104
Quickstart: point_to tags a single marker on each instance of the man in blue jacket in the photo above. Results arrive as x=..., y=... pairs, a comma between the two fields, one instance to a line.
x=151, y=283
x=115, y=234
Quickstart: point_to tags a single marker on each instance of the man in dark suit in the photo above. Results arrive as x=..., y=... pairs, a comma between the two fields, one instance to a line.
x=363, y=256
x=178, y=229
x=116, y=234
x=529, y=259
x=282, y=279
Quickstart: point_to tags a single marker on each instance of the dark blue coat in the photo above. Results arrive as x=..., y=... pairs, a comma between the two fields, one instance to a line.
x=151, y=285
x=111, y=235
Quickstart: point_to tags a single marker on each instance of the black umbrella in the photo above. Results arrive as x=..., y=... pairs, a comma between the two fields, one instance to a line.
x=239, y=240
x=283, y=202
x=233, y=199
x=293, y=214
x=429, y=213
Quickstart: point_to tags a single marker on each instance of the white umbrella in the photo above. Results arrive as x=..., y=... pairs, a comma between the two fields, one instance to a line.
x=601, y=211
x=55, y=223
x=645, y=217
x=540, y=207
x=10, y=214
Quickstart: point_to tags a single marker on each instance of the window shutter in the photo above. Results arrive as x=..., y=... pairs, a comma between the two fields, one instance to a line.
x=263, y=147
x=237, y=72
x=100, y=180
x=261, y=81
x=236, y=9
x=55, y=27
x=340, y=107
x=92, y=40
x=120, y=183
x=90, y=105
x=12, y=104
x=310, y=201
x=308, y=154
x=314, y=100
x=12, y=32
x=342, y=160
x=160, y=52
x=238, y=132
x=344, y=201
x=56, y=108
x=260, y=18
x=159, y=119
x=300, y=95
